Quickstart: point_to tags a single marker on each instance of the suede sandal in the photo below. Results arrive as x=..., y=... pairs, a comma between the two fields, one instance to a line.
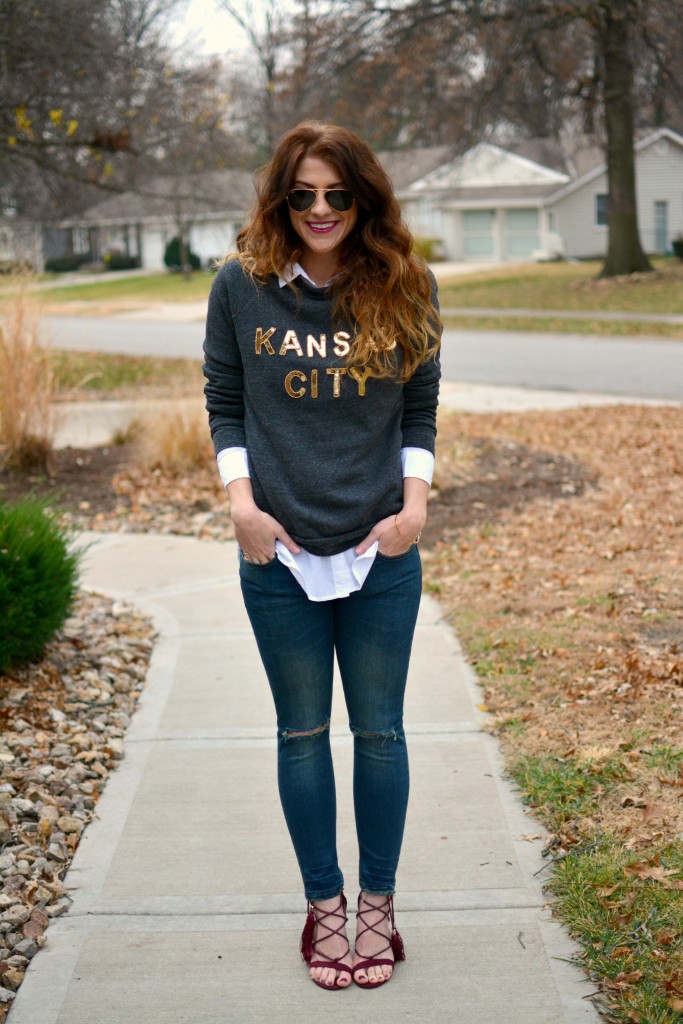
x=309, y=949
x=395, y=943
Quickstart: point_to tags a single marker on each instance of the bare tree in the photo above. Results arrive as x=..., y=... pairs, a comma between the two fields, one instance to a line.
x=536, y=41
x=264, y=24
x=89, y=94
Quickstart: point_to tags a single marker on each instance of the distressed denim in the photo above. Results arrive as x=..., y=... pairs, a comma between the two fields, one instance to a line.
x=371, y=632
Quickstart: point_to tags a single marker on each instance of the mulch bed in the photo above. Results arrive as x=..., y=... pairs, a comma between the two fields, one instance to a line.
x=101, y=489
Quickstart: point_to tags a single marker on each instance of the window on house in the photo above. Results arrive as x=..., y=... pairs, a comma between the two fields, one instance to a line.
x=601, y=209
x=9, y=207
x=81, y=240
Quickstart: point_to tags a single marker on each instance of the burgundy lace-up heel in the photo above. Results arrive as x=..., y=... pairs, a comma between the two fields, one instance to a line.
x=395, y=943
x=309, y=948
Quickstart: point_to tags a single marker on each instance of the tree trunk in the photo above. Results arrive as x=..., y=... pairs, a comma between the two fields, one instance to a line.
x=624, y=254
x=184, y=248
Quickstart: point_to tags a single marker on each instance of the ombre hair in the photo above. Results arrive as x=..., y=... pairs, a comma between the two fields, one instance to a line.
x=382, y=287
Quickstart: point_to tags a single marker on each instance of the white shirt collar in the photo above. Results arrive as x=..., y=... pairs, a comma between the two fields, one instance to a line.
x=296, y=270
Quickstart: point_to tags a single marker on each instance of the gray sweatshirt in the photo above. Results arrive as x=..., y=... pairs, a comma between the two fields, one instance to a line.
x=323, y=441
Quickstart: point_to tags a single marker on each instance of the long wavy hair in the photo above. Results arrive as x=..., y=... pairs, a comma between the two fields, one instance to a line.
x=382, y=287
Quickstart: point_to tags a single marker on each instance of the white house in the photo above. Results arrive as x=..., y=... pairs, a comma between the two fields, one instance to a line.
x=533, y=200
x=211, y=206
x=487, y=203
x=20, y=237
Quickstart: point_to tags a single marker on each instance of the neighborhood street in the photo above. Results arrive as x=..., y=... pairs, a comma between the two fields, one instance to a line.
x=641, y=367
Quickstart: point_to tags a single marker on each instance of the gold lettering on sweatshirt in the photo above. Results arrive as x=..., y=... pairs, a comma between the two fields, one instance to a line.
x=314, y=383
x=360, y=376
x=295, y=375
x=341, y=343
x=336, y=372
x=290, y=344
x=319, y=346
x=262, y=339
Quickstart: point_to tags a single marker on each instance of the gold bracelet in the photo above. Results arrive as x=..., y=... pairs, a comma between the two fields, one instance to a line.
x=400, y=531
x=417, y=539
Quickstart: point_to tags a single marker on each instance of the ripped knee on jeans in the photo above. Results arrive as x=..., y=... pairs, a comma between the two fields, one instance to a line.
x=391, y=734
x=294, y=734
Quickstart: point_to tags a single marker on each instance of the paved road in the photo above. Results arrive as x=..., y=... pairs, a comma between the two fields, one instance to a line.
x=645, y=367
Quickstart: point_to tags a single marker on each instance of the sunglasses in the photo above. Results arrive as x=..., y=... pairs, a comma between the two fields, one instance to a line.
x=339, y=199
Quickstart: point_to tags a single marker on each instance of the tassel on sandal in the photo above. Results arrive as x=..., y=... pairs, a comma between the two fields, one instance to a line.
x=395, y=943
x=310, y=954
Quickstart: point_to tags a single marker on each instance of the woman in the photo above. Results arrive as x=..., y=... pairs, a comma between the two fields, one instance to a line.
x=322, y=383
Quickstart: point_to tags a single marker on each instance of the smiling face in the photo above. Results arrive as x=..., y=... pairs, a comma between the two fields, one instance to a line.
x=321, y=229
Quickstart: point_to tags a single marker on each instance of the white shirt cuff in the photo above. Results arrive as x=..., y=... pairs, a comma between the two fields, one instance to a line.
x=417, y=462
x=232, y=464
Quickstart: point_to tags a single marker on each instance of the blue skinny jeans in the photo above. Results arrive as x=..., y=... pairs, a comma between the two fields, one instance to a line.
x=371, y=632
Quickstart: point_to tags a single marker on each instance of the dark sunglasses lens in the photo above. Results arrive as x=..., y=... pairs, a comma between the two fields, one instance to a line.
x=301, y=199
x=339, y=199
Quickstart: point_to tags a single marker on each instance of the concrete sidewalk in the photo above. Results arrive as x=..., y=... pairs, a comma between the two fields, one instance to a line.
x=89, y=424
x=188, y=905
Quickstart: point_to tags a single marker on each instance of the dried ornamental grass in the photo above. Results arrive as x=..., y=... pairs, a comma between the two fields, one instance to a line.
x=27, y=425
x=176, y=440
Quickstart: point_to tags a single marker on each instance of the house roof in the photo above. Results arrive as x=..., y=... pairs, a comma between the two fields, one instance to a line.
x=407, y=165
x=489, y=167
x=546, y=152
x=502, y=194
x=209, y=192
x=600, y=168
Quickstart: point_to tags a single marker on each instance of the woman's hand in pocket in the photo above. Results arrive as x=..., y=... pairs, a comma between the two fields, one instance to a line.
x=255, y=531
x=395, y=533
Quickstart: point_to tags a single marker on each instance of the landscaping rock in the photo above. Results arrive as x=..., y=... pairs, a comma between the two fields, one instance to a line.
x=64, y=724
x=26, y=947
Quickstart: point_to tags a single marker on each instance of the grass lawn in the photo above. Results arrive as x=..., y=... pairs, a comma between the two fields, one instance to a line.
x=555, y=325
x=162, y=287
x=89, y=375
x=560, y=286
x=569, y=286
x=568, y=606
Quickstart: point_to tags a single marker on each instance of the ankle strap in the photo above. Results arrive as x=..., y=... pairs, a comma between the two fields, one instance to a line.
x=320, y=918
x=386, y=909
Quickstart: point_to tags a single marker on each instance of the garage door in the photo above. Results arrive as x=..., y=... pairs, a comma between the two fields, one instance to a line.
x=522, y=232
x=153, y=248
x=477, y=226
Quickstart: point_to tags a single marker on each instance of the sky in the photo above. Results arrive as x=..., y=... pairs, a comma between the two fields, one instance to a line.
x=205, y=29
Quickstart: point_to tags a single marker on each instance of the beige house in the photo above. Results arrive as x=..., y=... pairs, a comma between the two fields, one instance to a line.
x=579, y=210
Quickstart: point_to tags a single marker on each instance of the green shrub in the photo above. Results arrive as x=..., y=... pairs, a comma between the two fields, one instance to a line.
x=38, y=579
x=677, y=246
x=172, y=256
x=64, y=264
x=116, y=260
x=428, y=248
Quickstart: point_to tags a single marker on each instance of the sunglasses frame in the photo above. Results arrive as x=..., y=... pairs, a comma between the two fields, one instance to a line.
x=317, y=191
